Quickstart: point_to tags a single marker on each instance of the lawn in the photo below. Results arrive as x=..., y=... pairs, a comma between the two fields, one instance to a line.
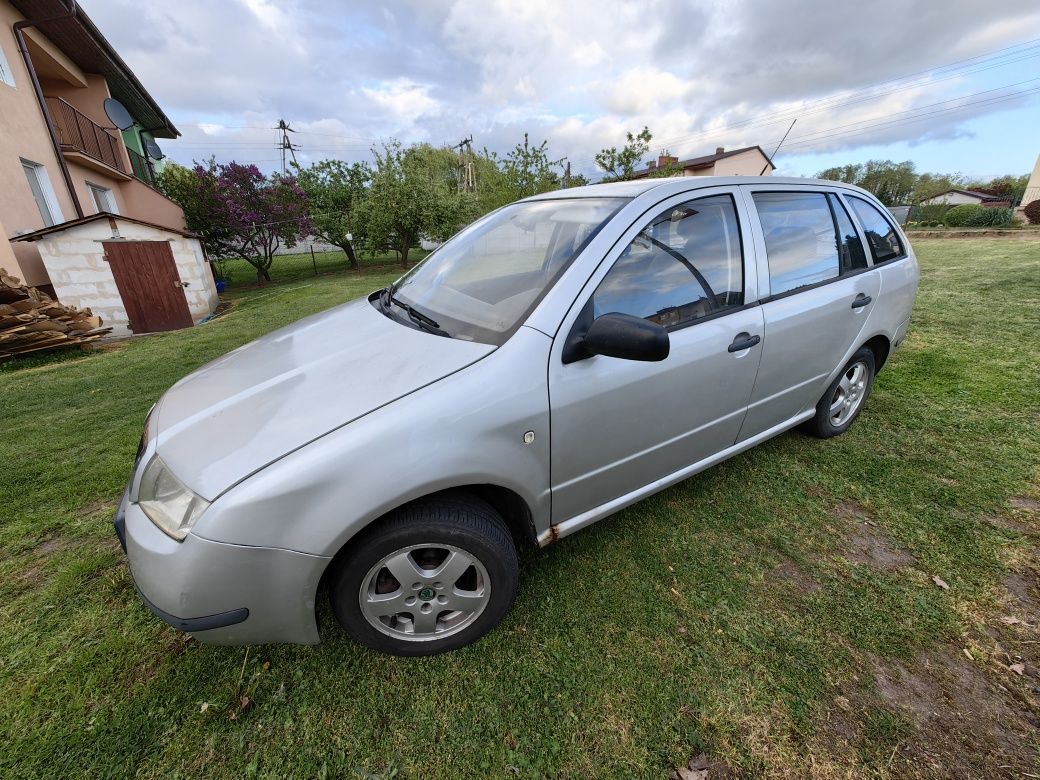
x=302, y=265
x=857, y=606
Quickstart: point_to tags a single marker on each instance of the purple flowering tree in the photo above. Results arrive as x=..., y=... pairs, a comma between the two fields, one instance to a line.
x=240, y=212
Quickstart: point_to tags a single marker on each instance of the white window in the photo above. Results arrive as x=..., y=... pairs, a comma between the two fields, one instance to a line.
x=104, y=200
x=43, y=193
x=6, y=75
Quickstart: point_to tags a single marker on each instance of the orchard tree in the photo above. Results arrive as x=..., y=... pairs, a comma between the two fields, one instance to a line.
x=620, y=164
x=526, y=170
x=414, y=195
x=336, y=191
x=239, y=212
x=195, y=191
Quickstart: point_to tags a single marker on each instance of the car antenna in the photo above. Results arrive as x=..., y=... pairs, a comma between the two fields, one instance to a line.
x=769, y=160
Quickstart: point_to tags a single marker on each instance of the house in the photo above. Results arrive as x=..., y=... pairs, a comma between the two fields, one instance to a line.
x=77, y=165
x=957, y=197
x=1032, y=191
x=748, y=161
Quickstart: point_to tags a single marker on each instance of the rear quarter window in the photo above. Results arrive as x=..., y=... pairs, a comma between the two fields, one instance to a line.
x=881, y=235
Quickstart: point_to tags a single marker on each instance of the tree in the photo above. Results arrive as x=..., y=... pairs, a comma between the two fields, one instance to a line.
x=195, y=191
x=619, y=165
x=335, y=193
x=893, y=183
x=527, y=170
x=262, y=213
x=414, y=195
x=239, y=212
x=1008, y=187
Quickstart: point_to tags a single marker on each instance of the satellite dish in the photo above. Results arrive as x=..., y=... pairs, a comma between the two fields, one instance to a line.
x=152, y=149
x=117, y=114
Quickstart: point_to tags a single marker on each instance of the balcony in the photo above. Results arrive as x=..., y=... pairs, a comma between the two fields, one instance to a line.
x=87, y=142
x=142, y=167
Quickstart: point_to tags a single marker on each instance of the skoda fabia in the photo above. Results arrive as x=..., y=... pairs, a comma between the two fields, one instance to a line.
x=555, y=361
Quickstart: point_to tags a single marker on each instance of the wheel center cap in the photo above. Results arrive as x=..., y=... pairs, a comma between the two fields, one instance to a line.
x=426, y=594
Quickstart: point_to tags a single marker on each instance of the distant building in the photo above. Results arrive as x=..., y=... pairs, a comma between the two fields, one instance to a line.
x=70, y=179
x=957, y=197
x=1032, y=188
x=749, y=161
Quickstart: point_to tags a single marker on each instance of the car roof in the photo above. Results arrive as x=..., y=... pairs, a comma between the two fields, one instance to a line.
x=632, y=189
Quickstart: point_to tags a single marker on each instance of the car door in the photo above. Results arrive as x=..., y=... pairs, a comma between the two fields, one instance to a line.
x=619, y=425
x=818, y=289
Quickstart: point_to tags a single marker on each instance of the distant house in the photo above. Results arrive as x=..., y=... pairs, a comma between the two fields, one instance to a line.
x=749, y=161
x=75, y=182
x=1032, y=189
x=957, y=197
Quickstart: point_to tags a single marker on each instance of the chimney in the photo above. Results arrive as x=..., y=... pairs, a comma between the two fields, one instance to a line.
x=720, y=149
x=666, y=159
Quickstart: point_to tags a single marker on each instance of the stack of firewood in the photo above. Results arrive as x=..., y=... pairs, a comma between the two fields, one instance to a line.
x=30, y=320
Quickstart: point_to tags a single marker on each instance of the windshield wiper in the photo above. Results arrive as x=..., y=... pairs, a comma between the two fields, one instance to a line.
x=424, y=321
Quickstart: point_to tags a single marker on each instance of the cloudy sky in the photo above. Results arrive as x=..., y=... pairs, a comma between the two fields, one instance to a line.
x=952, y=85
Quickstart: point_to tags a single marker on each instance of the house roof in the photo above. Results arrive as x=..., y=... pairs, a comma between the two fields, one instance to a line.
x=62, y=226
x=84, y=44
x=971, y=193
x=709, y=160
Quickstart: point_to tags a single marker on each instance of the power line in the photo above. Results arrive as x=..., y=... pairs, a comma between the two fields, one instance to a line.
x=866, y=94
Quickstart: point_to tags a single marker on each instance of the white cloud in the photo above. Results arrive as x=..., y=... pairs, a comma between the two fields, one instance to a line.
x=579, y=73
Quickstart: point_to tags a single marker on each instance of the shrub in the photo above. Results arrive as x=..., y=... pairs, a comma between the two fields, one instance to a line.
x=1032, y=212
x=958, y=216
x=933, y=212
x=990, y=218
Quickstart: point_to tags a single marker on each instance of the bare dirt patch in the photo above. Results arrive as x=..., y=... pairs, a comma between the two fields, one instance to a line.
x=966, y=724
x=868, y=544
x=1026, y=503
x=704, y=767
x=789, y=572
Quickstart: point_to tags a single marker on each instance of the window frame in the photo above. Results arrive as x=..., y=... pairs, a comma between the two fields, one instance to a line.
x=50, y=198
x=6, y=74
x=874, y=262
x=578, y=315
x=748, y=191
x=93, y=189
x=657, y=212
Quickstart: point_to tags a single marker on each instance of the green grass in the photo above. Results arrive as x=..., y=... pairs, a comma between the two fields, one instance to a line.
x=287, y=268
x=660, y=632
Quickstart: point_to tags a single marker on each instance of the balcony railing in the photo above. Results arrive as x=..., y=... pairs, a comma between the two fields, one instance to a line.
x=142, y=167
x=79, y=133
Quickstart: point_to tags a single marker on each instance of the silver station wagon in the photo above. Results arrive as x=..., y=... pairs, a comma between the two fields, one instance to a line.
x=557, y=360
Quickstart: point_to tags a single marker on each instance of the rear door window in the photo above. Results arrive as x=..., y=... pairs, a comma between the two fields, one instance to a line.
x=882, y=237
x=801, y=243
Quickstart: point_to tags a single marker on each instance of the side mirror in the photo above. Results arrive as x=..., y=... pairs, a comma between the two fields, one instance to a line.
x=626, y=337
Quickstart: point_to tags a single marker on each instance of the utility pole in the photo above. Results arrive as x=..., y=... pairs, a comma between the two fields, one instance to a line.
x=284, y=143
x=467, y=177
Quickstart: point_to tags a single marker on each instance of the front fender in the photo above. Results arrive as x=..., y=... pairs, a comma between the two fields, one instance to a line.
x=468, y=428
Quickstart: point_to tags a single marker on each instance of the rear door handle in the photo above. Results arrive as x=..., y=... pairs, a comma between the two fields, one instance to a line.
x=861, y=301
x=743, y=341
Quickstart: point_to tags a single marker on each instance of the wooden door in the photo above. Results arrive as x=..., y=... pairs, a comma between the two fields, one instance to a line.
x=149, y=285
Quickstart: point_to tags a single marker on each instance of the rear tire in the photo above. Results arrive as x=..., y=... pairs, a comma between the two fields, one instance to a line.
x=844, y=399
x=433, y=576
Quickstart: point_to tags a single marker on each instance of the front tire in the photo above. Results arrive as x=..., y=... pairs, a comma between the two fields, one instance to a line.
x=844, y=399
x=433, y=576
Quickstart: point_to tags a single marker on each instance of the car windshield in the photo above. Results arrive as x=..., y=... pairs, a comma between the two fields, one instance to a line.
x=481, y=284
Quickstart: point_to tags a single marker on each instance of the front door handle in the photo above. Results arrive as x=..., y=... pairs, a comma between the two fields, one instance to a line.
x=861, y=301
x=743, y=341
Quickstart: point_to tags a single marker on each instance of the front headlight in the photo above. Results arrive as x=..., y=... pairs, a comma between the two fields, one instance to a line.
x=167, y=502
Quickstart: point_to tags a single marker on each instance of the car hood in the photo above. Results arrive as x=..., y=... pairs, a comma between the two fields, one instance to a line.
x=267, y=398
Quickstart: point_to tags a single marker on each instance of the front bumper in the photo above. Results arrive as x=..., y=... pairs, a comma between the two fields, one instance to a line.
x=228, y=593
